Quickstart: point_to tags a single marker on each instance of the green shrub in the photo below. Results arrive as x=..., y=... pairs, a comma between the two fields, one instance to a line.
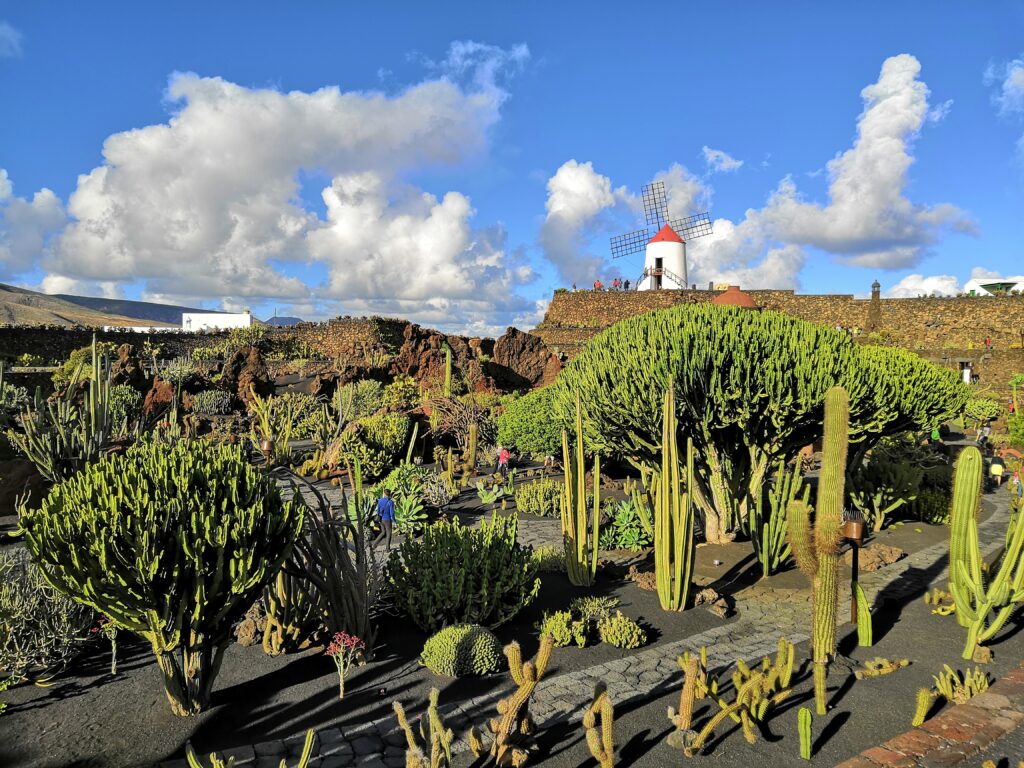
x=931, y=507
x=401, y=393
x=541, y=497
x=348, y=449
x=178, y=370
x=358, y=399
x=564, y=628
x=624, y=531
x=1016, y=426
x=462, y=650
x=439, y=490
x=550, y=559
x=386, y=432
x=213, y=402
x=173, y=542
x=459, y=575
x=40, y=628
x=82, y=357
x=530, y=425
x=125, y=407
x=13, y=401
x=306, y=413
x=621, y=631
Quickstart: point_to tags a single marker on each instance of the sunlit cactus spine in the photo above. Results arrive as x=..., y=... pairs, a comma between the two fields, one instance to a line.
x=674, y=545
x=471, y=447
x=984, y=599
x=601, y=740
x=291, y=614
x=431, y=746
x=580, y=537
x=816, y=546
x=804, y=727
x=923, y=703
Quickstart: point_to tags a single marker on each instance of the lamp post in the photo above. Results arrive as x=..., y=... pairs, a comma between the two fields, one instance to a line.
x=853, y=531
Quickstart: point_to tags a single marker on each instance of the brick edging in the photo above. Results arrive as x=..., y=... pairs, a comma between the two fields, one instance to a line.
x=956, y=734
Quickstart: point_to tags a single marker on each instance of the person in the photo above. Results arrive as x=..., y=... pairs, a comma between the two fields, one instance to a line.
x=597, y=285
x=988, y=342
x=497, y=460
x=386, y=513
x=503, y=457
x=625, y=286
x=615, y=284
x=574, y=287
x=983, y=435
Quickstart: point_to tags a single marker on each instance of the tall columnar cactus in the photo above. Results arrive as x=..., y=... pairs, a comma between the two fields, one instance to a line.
x=447, y=371
x=292, y=616
x=601, y=740
x=984, y=599
x=816, y=547
x=173, y=543
x=673, y=516
x=804, y=726
x=412, y=442
x=512, y=734
x=431, y=747
x=471, y=447
x=768, y=534
x=579, y=537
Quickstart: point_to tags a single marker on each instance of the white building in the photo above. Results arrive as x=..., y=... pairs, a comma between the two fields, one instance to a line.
x=664, y=262
x=992, y=286
x=214, y=321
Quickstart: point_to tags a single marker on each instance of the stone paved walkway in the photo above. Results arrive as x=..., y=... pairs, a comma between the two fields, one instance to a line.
x=646, y=673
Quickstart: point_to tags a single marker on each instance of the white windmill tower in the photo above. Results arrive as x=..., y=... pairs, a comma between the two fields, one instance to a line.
x=665, y=252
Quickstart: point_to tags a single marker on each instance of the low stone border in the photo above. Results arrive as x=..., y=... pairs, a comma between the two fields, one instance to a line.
x=955, y=735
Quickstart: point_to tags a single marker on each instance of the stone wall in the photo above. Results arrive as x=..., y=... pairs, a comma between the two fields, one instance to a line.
x=347, y=337
x=55, y=343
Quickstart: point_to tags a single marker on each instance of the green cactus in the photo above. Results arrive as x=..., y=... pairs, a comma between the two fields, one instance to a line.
x=433, y=737
x=816, y=547
x=674, y=546
x=984, y=598
x=580, y=539
x=925, y=699
x=292, y=616
x=768, y=535
x=447, y=371
x=601, y=741
x=218, y=762
x=412, y=442
x=865, y=634
x=804, y=726
x=471, y=447
x=173, y=543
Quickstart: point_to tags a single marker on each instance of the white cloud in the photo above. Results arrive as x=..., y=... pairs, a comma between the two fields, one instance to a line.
x=940, y=112
x=912, y=286
x=25, y=226
x=10, y=41
x=719, y=161
x=1009, y=97
x=208, y=204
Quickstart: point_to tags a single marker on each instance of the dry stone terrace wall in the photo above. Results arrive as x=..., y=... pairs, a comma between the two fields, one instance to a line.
x=55, y=343
x=348, y=336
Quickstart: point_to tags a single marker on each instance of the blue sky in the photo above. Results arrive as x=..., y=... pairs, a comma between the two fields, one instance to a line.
x=466, y=159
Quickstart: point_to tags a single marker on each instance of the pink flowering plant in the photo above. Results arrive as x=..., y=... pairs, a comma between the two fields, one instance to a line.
x=104, y=627
x=345, y=650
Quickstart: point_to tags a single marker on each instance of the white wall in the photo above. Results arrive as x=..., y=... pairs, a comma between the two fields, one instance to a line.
x=202, y=321
x=671, y=255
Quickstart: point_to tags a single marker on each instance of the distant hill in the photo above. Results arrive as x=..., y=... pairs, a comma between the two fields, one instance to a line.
x=142, y=310
x=280, y=320
x=19, y=306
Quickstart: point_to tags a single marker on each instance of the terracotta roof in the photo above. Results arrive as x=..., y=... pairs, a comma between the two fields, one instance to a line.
x=665, y=235
x=734, y=297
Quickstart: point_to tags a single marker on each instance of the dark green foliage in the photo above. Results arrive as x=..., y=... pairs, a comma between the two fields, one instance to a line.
x=529, y=424
x=459, y=575
x=1016, y=426
x=40, y=628
x=462, y=650
x=125, y=408
x=171, y=542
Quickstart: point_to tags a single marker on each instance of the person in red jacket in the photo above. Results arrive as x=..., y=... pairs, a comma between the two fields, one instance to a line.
x=503, y=457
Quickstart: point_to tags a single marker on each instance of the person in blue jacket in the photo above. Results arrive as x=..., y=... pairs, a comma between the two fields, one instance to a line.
x=386, y=513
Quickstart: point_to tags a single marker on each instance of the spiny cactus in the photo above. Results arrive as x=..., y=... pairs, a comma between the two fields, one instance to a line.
x=470, y=457
x=674, y=548
x=879, y=667
x=292, y=616
x=433, y=737
x=511, y=738
x=580, y=538
x=923, y=703
x=804, y=727
x=768, y=535
x=601, y=741
x=218, y=762
x=984, y=599
x=942, y=600
x=447, y=371
x=816, y=547
x=956, y=688
x=865, y=634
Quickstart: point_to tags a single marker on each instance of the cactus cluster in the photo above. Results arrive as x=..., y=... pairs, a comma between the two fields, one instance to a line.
x=985, y=598
x=598, y=724
x=579, y=535
x=768, y=534
x=292, y=616
x=511, y=734
x=879, y=667
x=958, y=687
x=431, y=738
x=816, y=546
x=461, y=650
x=217, y=762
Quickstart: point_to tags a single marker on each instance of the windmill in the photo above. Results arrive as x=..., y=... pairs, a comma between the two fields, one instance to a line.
x=666, y=250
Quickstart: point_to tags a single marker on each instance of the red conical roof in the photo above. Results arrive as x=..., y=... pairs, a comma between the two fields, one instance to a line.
x=733, y=296
x=665, y=235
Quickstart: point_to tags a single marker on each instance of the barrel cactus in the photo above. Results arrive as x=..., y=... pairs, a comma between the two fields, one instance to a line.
x=461, y=650
x=171, y=542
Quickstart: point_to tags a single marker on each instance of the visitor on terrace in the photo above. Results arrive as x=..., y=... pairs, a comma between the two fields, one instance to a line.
x=503, y=457
x=597, y=285
x=386, y=513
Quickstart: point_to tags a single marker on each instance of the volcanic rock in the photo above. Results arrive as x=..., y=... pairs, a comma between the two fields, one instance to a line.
x=246, y=370
x=875, y=556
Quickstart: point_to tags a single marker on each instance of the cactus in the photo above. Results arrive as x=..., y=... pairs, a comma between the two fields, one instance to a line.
x=942, y=600
x=433, y=737
x=803, y=722
x=450, y=471
x=601, y=741
x=217, y=762
x=447, y=371
x=816, y=547
x=758, y=690
x=984, y=598
x=173, y=543
x=924, y=701
x=879, y=667
x=471, y=447
x=957, y=690
x=511, y=736
x=769, y=535
x=291, y=614
x=580, y=540
x=674, y=548
x=865, y=634
x=695, y=687
x=412, y=442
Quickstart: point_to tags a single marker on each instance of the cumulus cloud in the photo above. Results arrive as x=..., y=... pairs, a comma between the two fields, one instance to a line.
x=719, y=161
x=920, y=285
x=10, y=41
x=1009, y=96
x=208, y=204
x=25, y=226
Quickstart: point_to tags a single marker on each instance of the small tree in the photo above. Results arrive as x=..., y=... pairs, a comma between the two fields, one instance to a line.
x=171, y=542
